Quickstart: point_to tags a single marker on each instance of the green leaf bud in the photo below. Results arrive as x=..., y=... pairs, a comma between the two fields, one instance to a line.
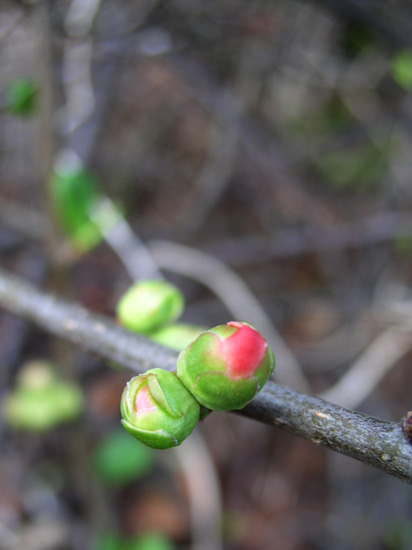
x=149, y=304
x=176, y=336
x=225, y=367
x=158, y=410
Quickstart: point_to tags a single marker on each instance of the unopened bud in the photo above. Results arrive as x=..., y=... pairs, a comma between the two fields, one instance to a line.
x=225, y=367
x=158, y=410
x=149, y=304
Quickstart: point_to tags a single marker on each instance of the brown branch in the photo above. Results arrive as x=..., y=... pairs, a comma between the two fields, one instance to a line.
x=373, y=441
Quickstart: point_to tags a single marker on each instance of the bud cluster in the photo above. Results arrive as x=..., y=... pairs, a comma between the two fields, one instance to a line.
x=222, y=369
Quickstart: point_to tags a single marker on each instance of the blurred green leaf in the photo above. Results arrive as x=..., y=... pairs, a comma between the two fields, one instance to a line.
x=398, y=535
x=109, y=541
x=21, y=97
x=361, y=167
x=150, y=541
x=120, y=459
x=147, y=541
x=41, y=400
x=403, y=244
x=73, y=194
x=401, y=69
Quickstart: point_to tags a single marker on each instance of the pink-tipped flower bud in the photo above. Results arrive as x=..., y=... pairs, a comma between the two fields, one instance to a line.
x=148, y=305
x=225, y=367
x=158, y=410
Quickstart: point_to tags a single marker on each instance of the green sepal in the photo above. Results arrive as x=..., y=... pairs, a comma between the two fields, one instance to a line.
x=159, y=397
x=158, y=439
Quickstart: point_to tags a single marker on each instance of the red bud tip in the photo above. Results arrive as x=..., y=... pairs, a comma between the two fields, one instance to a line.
x=243, y=350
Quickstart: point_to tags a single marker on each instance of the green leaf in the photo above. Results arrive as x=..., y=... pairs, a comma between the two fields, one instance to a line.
x=150, y=541
x=121, y=459
x=109, y=541
x=401, y=69
x=21, y=97
x=73, y=194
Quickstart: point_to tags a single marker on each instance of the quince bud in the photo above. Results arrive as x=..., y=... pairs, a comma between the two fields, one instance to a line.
x=225, y=367
x=176, y=336
x=158, y=410
x=149, y=304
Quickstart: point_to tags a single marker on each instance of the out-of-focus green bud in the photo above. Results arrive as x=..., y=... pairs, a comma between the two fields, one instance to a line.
x=120, y=459
x=41, y=399
x=176, y=336
x=21, y=97
x=73, y=192
x=149, y=304
x=226, y=366
x=158, y=410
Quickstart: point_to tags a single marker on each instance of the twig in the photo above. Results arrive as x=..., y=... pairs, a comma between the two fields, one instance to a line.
x=379, y=443
x=370, y=368
x=203, y=489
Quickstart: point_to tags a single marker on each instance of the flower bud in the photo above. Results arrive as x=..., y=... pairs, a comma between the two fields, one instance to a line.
x=225, y=367
x=149, y=304
x=177, y=335
x=158, y=410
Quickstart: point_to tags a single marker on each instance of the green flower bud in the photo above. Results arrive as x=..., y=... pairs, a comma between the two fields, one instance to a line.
x=225, y=367
x=41, y=400
x=158, y=410
x=176, y=336
x=149, y=304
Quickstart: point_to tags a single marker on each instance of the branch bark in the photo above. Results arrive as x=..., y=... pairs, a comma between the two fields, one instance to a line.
x=376, y=442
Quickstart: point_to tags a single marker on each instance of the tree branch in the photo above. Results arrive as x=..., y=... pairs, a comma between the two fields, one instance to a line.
x=373, y=441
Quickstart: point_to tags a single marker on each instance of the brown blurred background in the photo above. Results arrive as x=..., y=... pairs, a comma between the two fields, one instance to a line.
x=274, y=137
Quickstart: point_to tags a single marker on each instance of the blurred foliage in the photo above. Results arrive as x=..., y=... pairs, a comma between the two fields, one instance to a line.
x=398, y=535
x=73, y=193
x=41, y=399
x=145, y=541
x=401, y=69
x=176, y=336
x=361, y=168
x=120, y=459
x=21, y=97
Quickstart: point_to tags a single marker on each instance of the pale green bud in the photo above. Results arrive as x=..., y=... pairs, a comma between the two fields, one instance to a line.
x=149, y=304
x=158, y=410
